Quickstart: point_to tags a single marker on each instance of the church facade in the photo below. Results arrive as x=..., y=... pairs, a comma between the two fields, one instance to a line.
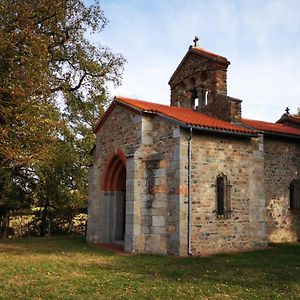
x=193, y=177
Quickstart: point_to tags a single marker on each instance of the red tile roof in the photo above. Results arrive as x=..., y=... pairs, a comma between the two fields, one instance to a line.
x=272, y=127
x=189, y=117
x=205, y=52
x=184, y=115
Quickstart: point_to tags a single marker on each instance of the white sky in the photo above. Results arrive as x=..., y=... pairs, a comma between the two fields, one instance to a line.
x=261, y=38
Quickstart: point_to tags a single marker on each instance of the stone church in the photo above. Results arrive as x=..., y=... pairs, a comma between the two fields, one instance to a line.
x=195, y=177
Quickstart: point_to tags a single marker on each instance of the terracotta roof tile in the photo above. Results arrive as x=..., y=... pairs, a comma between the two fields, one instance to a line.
x=271, y=127
x=203, y=51
x=184, y=115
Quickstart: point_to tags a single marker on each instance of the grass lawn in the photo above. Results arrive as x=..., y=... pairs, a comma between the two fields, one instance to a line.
x=67, y=268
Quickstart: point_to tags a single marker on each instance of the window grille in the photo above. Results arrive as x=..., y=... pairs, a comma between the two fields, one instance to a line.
x=223, y=205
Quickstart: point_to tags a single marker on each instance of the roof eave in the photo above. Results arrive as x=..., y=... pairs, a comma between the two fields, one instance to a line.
x=104, y=117
x=178, y=67
x=170, y=119
x=207, y=129
x=276, y=134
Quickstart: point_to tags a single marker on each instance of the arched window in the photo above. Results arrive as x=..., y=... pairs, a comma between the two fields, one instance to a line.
x=196, y=103
x=203, y=97
x=295, y=196
x=206, y=97
x=223, y=208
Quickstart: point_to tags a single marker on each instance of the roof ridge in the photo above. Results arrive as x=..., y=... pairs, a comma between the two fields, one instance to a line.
x=208, y=52
x=257, y=120
x=261, y=121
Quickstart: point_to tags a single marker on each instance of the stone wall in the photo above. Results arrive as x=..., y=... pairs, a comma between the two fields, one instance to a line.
x=157, y=187
x=241, y=160
x=159, y=190
x=200, y=73
x=120, y=132
x=223, y=107
x=200, y=84
x=152, y=149
x=282, y=165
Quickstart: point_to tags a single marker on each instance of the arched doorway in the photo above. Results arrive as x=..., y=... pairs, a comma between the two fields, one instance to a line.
x=114, y=183
x=120, y=204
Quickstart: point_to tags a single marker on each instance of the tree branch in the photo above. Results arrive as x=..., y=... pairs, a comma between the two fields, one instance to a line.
x=44, y=19
x=73, y=89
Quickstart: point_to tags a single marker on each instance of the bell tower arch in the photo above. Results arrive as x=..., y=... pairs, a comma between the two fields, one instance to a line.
x=199, y=76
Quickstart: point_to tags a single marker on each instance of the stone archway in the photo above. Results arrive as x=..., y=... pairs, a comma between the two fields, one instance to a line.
x=114, y=186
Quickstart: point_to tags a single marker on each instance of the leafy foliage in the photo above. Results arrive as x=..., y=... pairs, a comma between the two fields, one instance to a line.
x=52, y=90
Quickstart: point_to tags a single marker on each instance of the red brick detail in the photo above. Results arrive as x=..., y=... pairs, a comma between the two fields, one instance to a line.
x=113, y=178
x=120, y=179
x=159, y=189
x=182, y=190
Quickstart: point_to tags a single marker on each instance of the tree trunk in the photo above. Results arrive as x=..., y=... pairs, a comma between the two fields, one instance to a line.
x=44, y=219
x=4, y=224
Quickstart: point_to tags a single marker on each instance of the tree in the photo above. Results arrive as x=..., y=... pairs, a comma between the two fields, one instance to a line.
x=46, y=59
x=60, y=191
x=52, y=88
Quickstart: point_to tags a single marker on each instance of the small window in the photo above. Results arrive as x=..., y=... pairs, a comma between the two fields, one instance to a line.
x=223, y=208
x=295, y=196
x=206, y=97
x=203, y=98
x=196, y=103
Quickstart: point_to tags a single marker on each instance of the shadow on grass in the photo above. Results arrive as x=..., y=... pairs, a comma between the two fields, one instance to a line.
x=272, y=269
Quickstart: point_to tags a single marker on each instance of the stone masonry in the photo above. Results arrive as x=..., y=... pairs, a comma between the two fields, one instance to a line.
x=138, y=178
x=242, y=161
x=203, y=77
x=156, y=188
x=282, y=165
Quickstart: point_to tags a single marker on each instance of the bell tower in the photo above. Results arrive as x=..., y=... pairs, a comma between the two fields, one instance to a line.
x=200, y=83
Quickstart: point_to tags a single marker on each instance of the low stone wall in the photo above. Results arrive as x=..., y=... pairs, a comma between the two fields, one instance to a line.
x=22, y=226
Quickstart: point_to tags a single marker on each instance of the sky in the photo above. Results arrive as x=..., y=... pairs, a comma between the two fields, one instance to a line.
x=260, y=38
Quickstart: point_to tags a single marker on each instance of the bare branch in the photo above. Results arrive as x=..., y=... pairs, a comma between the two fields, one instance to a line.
x=73, y=89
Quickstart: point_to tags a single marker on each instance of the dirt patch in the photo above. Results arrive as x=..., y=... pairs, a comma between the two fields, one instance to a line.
x=113, y=247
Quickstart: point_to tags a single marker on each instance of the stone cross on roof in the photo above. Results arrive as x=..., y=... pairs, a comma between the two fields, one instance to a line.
x=195, y=40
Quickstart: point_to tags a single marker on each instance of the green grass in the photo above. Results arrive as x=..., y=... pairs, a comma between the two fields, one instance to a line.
x=67, y=268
